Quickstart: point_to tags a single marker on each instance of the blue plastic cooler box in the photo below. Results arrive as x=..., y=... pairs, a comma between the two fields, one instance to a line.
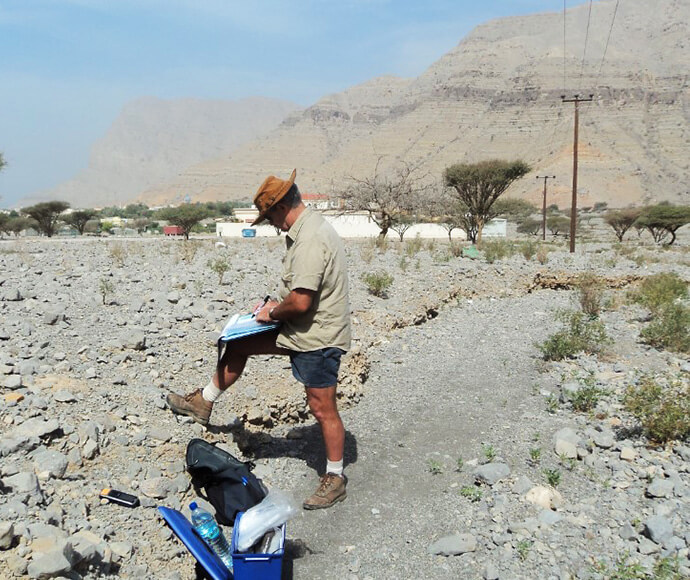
x=251, y=566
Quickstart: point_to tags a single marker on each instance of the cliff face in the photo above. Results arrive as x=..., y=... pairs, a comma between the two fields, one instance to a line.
x=497, y=94
x=154, y=140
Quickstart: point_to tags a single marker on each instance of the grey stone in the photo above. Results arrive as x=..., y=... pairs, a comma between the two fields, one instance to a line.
x=6, y=535
x=134, y=340
x=53, y=563
x=173, y=297
x=13, y=382
x=605, y=440
x=658, y=529
x=24, y=482
x=660, y=488
x=90, y=449
x=549, y=517
x=453, y=545
x=35, y=427
x=646, y=547
x=50, y=463
x=491, y=473
x=123, y=550
x=490, y=572
x=627, y=532
x=157, y=487
x=17, y=564
x=64, y=396
x=522, y=485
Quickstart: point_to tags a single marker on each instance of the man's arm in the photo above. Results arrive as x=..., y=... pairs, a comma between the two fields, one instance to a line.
x=295, y=304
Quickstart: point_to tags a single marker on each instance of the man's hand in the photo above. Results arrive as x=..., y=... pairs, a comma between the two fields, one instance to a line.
x=295, y=304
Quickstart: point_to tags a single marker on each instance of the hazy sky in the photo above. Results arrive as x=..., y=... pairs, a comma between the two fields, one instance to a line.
x=67, y=67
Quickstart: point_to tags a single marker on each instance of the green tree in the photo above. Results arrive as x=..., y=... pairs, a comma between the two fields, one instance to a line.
x=16, y=225
x=529, y=226
x=664, y=219
x=557, y=224
x=47, y=215
x=185, y=216
x=621, y=220
x=478, y=186
x=517, y=210
x=77, y=219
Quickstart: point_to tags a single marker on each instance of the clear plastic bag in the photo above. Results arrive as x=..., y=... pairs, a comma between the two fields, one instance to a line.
x=273, y=511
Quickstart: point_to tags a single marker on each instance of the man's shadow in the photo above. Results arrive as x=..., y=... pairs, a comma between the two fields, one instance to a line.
x=303, y=442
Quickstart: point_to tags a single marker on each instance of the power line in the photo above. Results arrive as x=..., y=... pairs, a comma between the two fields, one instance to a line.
x=584, y=52
x=606, y=47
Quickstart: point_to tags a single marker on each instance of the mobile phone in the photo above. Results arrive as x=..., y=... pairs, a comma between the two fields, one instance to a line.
x=120, y=497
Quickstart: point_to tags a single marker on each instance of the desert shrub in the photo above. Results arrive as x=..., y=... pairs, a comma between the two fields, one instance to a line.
x=455, y=249
x=105, y=288
x=660, y=289
x=118, y=252
x=431, y=245
x=542, y=254
x=528, y=249
x=590, y=294
x=670, y=328
x=497, y=250
x=586, y=397
x=382, y=244
x=581, y=334
x=366, y=252
x=377, y=282
x=219, y=265
x=662, y=406
x=187, y=252
x=413, y=246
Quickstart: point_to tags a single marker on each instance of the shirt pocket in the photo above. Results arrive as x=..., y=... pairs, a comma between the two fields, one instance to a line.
x=286, y=279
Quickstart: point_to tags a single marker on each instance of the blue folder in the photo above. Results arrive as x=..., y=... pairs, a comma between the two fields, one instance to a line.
x=190, y=538
x=241, y=325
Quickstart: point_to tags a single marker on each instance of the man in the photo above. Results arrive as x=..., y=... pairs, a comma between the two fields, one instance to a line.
x=314, y=310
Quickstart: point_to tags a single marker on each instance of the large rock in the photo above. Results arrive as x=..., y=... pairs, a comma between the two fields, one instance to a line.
x=453, y=545
x=491, y=473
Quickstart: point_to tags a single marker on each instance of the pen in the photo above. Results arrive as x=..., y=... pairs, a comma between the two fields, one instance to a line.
x=258, y=308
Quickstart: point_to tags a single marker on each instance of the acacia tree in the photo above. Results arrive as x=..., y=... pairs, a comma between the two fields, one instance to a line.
x=622, y=220
x=47, y=215
x=477, y=187
x=78, y=219
x=390, y=198
x=184, y=216
x=664, y=219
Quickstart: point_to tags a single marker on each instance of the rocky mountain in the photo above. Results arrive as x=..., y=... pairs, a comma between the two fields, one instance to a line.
x=153, y=140
x=498, y=94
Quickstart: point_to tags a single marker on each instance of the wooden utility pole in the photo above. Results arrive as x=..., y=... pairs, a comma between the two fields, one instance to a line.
x=543, y=209
x=573, y=207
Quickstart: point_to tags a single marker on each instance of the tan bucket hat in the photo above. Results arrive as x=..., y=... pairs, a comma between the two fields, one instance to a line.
x=271, y=191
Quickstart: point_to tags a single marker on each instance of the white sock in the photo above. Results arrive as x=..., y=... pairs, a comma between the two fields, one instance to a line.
x=334, y=467
x=211, y=392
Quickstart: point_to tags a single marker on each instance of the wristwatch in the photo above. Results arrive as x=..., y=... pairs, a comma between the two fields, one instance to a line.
x=270, y=313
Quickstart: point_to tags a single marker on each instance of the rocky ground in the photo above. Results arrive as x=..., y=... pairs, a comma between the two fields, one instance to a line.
x=455, y=424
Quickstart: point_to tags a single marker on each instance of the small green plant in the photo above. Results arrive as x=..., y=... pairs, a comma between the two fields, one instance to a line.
x=662, y=406
x=455, y=249
x=403, y=263
x=435, y=467
x=581, y=334
x=567, y=462
x=489, y=452
x=471, y=492
x=659, y=290
x=552, y=404
x=586, y=397
x=623, y=570
x=459, y=464
x=220, y=266
x=523, y=548
x=535, y=455
x=187, y=252
x=378, y=283
x=497, y=250
x=431, y=245
x=105, y=288
x=366, y=253
x=528, y=249
x=553, y=476
x=669, y=329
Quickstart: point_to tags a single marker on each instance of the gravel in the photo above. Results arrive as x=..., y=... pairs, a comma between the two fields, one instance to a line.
x=455, y=424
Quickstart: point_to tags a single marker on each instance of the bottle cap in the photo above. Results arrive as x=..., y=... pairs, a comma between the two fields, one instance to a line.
x=193, y=506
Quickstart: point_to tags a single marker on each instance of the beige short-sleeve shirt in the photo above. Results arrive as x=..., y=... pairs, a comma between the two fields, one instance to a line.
x=315, y=260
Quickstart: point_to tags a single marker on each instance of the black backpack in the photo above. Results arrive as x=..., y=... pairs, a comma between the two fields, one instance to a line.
x=229, y=484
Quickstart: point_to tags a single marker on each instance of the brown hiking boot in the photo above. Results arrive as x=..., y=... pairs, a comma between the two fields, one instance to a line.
x=194, y=405
x=331, y=490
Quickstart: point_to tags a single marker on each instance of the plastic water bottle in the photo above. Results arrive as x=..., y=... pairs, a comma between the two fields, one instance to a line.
x=209, y=530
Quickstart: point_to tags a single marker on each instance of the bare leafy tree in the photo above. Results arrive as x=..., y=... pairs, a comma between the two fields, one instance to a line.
x=47, y=215
x=390, y=198
x=185, y=216
x=622, y=220
x=479, y=185
x=664, y=219
x=558, y=224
